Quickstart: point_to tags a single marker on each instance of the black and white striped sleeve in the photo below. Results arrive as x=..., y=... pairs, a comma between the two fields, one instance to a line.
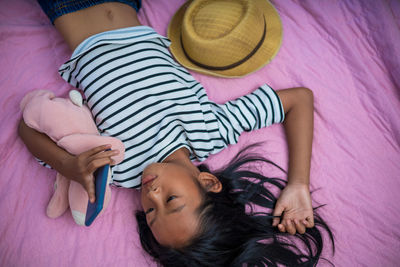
x=259, y=109
x=44, y=164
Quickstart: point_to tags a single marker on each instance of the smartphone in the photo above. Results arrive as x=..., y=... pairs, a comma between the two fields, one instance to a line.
x=100, y=180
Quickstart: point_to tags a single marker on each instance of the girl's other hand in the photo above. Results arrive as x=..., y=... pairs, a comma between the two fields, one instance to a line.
x=295, y=204
x=81, y=167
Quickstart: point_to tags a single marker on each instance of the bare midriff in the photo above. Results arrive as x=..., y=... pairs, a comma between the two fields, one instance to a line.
x=77, y=26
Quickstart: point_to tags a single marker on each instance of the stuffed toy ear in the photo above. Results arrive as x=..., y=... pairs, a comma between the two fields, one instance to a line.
x=78, y=143
x=76, y=97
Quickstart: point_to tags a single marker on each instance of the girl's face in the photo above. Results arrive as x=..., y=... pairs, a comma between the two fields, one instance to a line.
x=170, y=197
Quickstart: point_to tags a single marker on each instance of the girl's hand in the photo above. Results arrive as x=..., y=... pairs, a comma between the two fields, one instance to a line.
x=295, y=203
x=81, y=167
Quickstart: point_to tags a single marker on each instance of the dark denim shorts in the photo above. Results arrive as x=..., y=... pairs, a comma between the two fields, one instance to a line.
x=57, y=8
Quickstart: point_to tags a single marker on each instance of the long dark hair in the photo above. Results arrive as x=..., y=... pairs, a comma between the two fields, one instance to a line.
x=234, y=234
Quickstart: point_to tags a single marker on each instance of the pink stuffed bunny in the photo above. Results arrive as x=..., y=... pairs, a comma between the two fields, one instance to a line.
x=72, y=127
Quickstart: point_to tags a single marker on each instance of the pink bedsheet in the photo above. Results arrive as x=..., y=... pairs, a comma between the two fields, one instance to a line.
x=347, y=52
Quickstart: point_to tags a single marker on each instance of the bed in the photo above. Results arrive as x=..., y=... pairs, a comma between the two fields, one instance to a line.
x=347, y=52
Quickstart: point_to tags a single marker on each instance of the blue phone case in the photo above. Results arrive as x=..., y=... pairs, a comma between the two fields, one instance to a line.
x=93, y=209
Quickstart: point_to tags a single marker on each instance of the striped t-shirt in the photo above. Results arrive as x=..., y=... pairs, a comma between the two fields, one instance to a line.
x=139, y=94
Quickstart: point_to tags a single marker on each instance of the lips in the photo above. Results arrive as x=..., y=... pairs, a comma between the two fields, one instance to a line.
x=148, y=178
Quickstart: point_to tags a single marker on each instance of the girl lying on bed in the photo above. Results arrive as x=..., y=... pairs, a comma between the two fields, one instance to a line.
x=137, y=93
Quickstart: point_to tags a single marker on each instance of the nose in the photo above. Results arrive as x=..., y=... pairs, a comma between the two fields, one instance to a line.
x=154, y=191
x=154, y=187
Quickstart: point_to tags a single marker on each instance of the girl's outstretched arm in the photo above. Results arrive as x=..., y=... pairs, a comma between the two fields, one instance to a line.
x=295, y=199
x=78, y=168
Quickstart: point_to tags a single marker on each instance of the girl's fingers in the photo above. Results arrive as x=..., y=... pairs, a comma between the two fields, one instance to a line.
x=90, y=161
x=290, y=227
x=310, y=222
x=281, y=228
x=277, y=212
x=300, y=228
x=97, y=163
x=95, y=150
x=103, y=154
x=89, y=187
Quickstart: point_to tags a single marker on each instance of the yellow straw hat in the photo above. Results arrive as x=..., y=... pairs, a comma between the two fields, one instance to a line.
x=227, y=38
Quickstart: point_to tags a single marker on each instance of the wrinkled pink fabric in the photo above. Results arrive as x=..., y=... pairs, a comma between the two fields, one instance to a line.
x=347, y=52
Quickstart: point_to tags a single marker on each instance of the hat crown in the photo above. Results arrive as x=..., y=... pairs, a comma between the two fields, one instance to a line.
x=205, y=18
x=225, y=29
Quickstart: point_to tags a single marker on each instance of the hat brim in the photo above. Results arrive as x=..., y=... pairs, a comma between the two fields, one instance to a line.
x=263, y=56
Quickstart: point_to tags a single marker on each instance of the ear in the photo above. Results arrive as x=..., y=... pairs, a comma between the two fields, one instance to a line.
x=210, y=182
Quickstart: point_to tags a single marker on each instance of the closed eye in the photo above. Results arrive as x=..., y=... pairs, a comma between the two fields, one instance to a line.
x=170, y=198
x=149, y=210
